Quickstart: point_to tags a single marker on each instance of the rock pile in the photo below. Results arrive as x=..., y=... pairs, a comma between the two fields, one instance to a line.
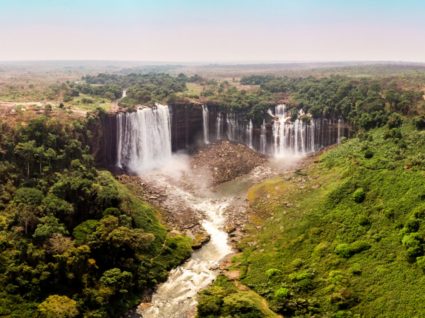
x=226, y=160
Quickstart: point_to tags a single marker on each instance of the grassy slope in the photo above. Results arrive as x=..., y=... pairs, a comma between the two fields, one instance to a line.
x=309, y=216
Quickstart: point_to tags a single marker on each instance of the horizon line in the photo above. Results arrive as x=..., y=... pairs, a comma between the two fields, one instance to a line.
x=219, y=62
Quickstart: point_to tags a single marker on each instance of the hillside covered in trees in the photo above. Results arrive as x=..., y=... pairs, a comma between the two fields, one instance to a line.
x=73, y=241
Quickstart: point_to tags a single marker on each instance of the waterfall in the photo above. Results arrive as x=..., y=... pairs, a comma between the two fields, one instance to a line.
x=263, y=138
x=205, y=121
x=219, y=126
x=312, y=132
x=280, y=130
x=291, y=137
x=249, y=132
x=144, y=138
x=120, y=123
x=232, y=127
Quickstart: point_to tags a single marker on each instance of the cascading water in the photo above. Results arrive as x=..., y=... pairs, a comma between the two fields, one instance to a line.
x=311, y=137
x=206, y=124
x=263, y=138
x=219, y=126
x=176, y=298
x=278, y=136
x=292, y=137
x=232, y=127
x=249, y=132
x=144, y=138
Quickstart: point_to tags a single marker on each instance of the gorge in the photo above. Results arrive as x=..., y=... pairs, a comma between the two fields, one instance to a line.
x=141, y=139
x=144, y=144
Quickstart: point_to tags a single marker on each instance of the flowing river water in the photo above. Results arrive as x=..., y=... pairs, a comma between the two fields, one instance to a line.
x=176, y=298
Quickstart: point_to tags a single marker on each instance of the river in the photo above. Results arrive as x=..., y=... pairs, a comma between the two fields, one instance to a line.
x=176, y=298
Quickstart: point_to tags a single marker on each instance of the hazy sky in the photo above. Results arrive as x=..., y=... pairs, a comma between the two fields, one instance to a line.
x=213, y=30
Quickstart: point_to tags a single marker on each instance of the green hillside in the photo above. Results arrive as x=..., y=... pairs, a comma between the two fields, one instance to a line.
x=343, y=237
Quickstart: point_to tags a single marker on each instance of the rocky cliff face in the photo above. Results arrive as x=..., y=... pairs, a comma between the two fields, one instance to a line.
x=104, y=140
x=186, y=133
x=186, y=126
x=193, y=125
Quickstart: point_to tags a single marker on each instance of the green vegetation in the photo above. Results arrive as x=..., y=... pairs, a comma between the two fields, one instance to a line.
x=145, y=89
x=73, y=241
x=343, y=237
x=365, y=103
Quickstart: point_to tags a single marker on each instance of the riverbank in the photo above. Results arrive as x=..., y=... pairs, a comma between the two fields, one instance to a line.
x=214, y=215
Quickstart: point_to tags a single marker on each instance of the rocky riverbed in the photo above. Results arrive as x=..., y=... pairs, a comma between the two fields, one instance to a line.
x=204, y=197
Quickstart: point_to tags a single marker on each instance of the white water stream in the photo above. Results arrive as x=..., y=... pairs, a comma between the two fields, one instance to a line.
x=176, y=298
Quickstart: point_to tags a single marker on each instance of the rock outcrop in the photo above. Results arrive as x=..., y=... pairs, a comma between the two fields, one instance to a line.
x=225, y=161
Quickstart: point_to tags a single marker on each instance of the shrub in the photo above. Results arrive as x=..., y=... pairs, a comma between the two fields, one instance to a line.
x=297, y=263
x=420, y=123
x=343, y=299
x=348, y=250
x=412, y=225
x=359, y=195
x=421, y=262
x=29, y=196
x=356, y=269
x=281, y=294
x=364, y=221
x=56, y=306
x=112, y=211
x=211, y=300
x=272, y=272
x=241, y=305
x=81, y=232
x=368, y=154
x=414, y=244
x=343, y=250
x=393, y=134
x=394, y=120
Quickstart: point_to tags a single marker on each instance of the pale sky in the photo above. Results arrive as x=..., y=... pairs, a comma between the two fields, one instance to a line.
x=213, y=30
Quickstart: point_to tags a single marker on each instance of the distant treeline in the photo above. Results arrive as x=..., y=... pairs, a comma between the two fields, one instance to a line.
x=366, y=103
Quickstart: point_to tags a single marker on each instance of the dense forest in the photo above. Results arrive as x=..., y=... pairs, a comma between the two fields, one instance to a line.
x=73, y=241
